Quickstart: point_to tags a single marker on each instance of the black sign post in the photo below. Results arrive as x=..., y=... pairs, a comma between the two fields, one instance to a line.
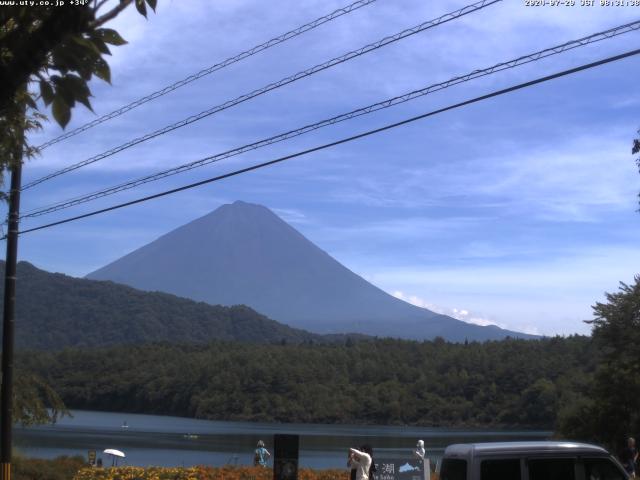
x=286, y=452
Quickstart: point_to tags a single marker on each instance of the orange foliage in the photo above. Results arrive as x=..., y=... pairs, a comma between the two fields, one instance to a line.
x=200, y=473
x=204, y=473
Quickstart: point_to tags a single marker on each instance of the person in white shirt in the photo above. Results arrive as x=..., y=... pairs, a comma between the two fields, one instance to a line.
x=423, y=461
x=361, y=461
x=419, y=452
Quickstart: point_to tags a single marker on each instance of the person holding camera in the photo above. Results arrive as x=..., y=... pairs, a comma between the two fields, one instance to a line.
x=362, y=462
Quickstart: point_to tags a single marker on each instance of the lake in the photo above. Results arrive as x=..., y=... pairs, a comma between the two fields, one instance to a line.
x=176, y=441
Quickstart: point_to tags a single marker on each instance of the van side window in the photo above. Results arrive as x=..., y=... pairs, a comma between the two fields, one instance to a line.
x=453, y=469
x=506, y=469
x=601, y=469
x=552, y=469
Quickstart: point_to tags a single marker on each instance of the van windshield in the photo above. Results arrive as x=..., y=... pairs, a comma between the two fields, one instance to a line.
x=453, y=469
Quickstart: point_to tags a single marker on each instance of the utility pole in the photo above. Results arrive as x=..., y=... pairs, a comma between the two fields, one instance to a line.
x=8, y=323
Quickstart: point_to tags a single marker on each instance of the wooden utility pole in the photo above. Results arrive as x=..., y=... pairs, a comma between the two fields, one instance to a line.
x=8, y=323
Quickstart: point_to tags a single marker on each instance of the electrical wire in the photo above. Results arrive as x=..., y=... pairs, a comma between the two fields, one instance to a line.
x=610, y=33
x=342, y=141
x=272, y=86
x=209, y=70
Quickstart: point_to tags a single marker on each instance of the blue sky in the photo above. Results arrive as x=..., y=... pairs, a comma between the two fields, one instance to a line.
x=518, y=211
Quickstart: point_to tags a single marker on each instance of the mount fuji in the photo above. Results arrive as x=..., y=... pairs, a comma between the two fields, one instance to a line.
x=243, y=253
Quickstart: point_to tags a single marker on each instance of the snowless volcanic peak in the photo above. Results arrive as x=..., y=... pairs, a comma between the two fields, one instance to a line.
x=243, y=253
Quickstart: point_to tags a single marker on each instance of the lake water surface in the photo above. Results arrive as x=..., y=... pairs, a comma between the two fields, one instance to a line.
x=176, y=441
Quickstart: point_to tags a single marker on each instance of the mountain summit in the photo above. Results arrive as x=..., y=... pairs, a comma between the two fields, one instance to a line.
x=243, y=253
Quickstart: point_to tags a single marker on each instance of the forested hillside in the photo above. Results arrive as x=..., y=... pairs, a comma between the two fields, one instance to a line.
x=506, y=383
x=56, y=311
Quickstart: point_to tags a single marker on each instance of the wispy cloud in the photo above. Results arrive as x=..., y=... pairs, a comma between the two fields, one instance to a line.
x=292, y=215
x=552, y=296
x=457, y=313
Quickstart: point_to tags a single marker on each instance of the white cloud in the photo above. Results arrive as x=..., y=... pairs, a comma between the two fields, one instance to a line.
x=457, y=313
x=579, y=178
x=631, y=101
x=417, y=301
x=550, y=297
x=291, y=215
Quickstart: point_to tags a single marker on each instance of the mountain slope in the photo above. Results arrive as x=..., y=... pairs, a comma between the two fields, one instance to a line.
x=56, y=311
x=245, y=254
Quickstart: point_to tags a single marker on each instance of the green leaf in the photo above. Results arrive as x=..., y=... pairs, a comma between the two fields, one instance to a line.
x=83, y=53
x=61, y=111
x=76, y=84
x=85, y=70
x=101, y=45
x=102, y=70
x=46, y=92
x=64, y=92
x=79, y=89
x=141, y=7
x=73, y=56
x=152, y=4
x=85, y=101
x=30, y=102
x=85, y=43
x=109, y=35
x=62, y=59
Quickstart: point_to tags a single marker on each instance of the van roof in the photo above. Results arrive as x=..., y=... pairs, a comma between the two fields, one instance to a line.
x=472, y=449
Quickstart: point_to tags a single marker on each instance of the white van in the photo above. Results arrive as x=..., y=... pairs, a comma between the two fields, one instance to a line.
x=529, y=461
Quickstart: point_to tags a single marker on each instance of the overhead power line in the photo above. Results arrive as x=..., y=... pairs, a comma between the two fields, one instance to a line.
x=496, y=93
x=214, y=68
x=273, y=86
x=337, y=119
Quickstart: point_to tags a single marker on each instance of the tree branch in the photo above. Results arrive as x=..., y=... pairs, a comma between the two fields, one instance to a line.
x=99, y=5
x=113, y=13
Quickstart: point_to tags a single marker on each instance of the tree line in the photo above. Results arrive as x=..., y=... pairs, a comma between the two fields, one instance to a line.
x=521, y=383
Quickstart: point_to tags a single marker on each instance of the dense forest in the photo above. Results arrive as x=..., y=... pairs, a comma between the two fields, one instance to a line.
x=58, y=311
x=505, y=383
x=609, y=410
